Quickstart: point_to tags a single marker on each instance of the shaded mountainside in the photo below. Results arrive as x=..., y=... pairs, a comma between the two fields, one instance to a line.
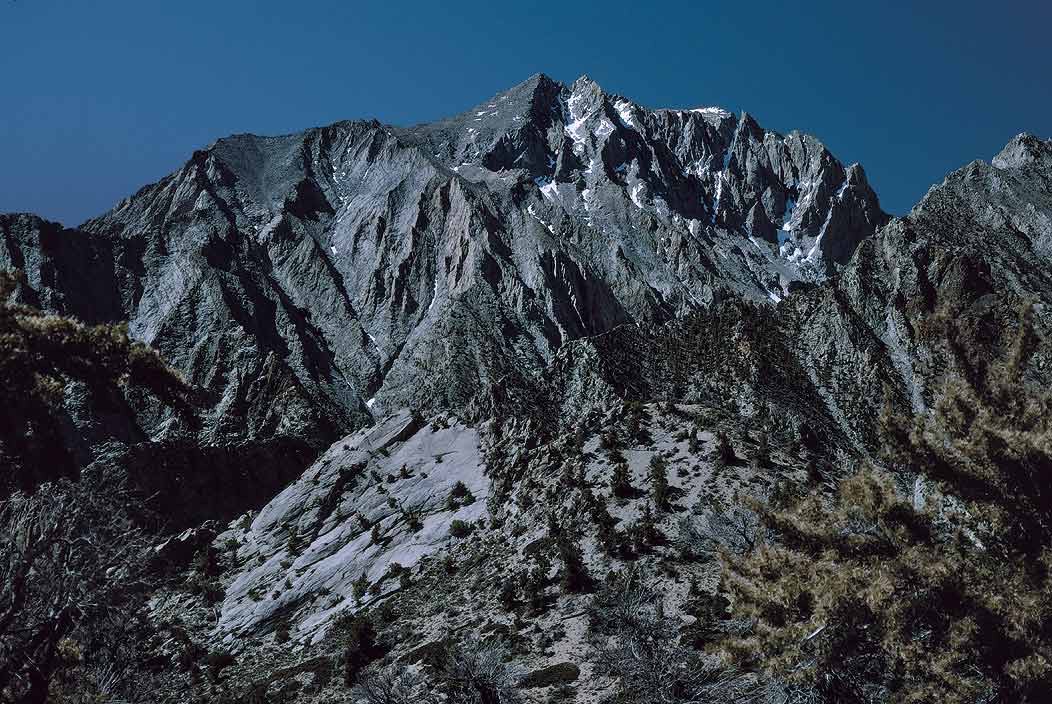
x=306, y=280
x=977, y=246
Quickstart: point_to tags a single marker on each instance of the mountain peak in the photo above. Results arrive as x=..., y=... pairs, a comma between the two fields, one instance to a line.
x=538, y=81
x=1022, y=150
x=585, y=81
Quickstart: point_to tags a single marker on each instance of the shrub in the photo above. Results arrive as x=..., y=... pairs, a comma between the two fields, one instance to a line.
x=460, y=529
x=735, y=531
x=638, y=646
x=867, y=593
x=392, y=684
x=476, y=671
x=559, y=673
x=217, y=661
x=360, y=647
x=39, y=355
x=73, y=565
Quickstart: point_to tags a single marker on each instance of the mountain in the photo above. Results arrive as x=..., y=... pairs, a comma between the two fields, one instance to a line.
x=444, y=368
x=305, y=280
x=810, y=373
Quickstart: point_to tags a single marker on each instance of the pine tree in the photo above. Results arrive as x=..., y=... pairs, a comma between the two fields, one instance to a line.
x=295, y=542
x=606, y=525
x=723, y=452
x=508, y=595
x=580, y=476
x=575, y=577
x=534, y=588
x=569, y=474
x=621, y=481
x=360, y=586
x=693, y=442
x=761, y=455
x=647, y=531
x=659, y=489
x=634, y=422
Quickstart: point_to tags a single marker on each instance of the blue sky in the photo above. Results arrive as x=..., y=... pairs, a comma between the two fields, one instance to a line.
x=100, y=98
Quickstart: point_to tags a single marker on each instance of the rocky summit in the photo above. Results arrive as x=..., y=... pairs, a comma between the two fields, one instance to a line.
x=472, y=402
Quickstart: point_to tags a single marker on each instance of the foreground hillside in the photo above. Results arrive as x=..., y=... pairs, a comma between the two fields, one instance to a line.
x=408, y=524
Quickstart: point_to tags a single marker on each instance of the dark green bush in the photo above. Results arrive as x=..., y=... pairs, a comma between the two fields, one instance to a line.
x=460, y=529
x=559, y=673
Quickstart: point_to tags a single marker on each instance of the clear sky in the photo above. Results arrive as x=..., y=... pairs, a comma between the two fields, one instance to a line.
x=98, y=98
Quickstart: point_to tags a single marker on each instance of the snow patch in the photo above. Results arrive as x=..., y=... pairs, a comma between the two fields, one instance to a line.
x=816, y=253
x=787, y=216
x=533, y=213
x=550, y=191
x=661, y=207
x=624, y=111
x=434, y=295
x=577, y=118
x=576, y=130
x=718, y=112
x=604, y=129
x=637, y=192
x=719, y=195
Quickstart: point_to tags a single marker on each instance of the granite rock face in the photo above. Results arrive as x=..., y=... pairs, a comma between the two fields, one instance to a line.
x=977, y=247
x=373, y=504
x=309, y=281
